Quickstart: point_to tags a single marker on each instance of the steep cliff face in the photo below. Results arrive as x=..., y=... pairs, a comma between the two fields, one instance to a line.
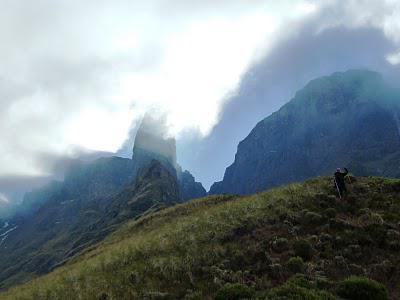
x=155, y=187
x=153, y=142
x=347, y=119
x=189, y=188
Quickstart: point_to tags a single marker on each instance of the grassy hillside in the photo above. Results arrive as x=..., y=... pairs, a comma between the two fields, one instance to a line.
x=192, y=250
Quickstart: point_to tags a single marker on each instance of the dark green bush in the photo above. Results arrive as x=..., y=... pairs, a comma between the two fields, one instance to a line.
x=361, y=288
x=303, y=249
x=312, y=218
x=330, y=212
x=291, y=291
x=296, y=265
x=234, y=292
x=280, y=245
x=300, y=280
x=103, y=296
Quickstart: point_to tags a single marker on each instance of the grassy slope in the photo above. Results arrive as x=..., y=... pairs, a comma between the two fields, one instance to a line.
x=192, y=249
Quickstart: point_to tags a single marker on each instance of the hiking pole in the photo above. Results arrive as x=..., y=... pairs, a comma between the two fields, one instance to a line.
x=337, y=187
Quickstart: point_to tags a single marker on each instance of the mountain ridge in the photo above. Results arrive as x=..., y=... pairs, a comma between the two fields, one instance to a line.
x=95, y=198
x=346, y=119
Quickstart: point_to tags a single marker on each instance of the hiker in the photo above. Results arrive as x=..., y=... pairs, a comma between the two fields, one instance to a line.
x=339, y=181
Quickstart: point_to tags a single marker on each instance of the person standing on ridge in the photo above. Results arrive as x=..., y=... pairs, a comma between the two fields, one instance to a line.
x=339, y=181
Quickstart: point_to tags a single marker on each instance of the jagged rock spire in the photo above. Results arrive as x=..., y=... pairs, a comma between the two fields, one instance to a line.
x=153, y=139
x=153, y=142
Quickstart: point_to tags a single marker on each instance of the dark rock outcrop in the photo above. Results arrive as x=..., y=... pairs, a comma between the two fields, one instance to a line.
x=153, y=142
x=347, y=119
x=189, y=188
x=155, y=187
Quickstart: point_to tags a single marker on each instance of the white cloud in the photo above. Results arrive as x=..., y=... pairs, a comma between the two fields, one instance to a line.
x=381, y=14
x=77, y=73
x=394, y=58
x=3, y=199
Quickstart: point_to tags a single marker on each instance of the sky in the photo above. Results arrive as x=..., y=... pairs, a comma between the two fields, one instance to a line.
x=77, y=76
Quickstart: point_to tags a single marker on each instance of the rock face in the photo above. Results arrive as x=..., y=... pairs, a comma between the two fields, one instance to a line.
x=152, y=142
x=347, y=119
x=155, y=187
x=189, y=188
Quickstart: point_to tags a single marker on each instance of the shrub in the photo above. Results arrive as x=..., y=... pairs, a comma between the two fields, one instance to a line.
x=312, y=218
x=194, y=295
x=280, y=245
x=103, y=296
x=325, y=237
x=290, y=291
x=296, y=265
x=330, y=212
x=300, y=280
x=303, y=249
x=369, y=219
x=361, y=288
x=234, y=292
x=275, y=271
x=392, y=235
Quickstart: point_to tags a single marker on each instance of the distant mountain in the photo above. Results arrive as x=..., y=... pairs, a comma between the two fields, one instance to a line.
x=347, y=119
x=64, y=218
x=108, y=175
x=99, y=178
x=68, y=223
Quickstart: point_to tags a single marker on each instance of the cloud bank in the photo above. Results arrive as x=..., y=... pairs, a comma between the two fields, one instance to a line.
x=341, y=35
x=77, y=76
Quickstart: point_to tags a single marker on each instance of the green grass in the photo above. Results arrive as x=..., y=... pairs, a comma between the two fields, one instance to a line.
x=193, y=249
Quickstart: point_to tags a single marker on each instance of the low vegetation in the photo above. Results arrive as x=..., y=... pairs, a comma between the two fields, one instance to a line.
x=358, y=288
x=296, y=242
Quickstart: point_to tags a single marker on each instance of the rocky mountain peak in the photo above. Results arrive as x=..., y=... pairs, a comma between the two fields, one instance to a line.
x=345, y=119
x=341, y=90
x=152, y=137
x=153, y=142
